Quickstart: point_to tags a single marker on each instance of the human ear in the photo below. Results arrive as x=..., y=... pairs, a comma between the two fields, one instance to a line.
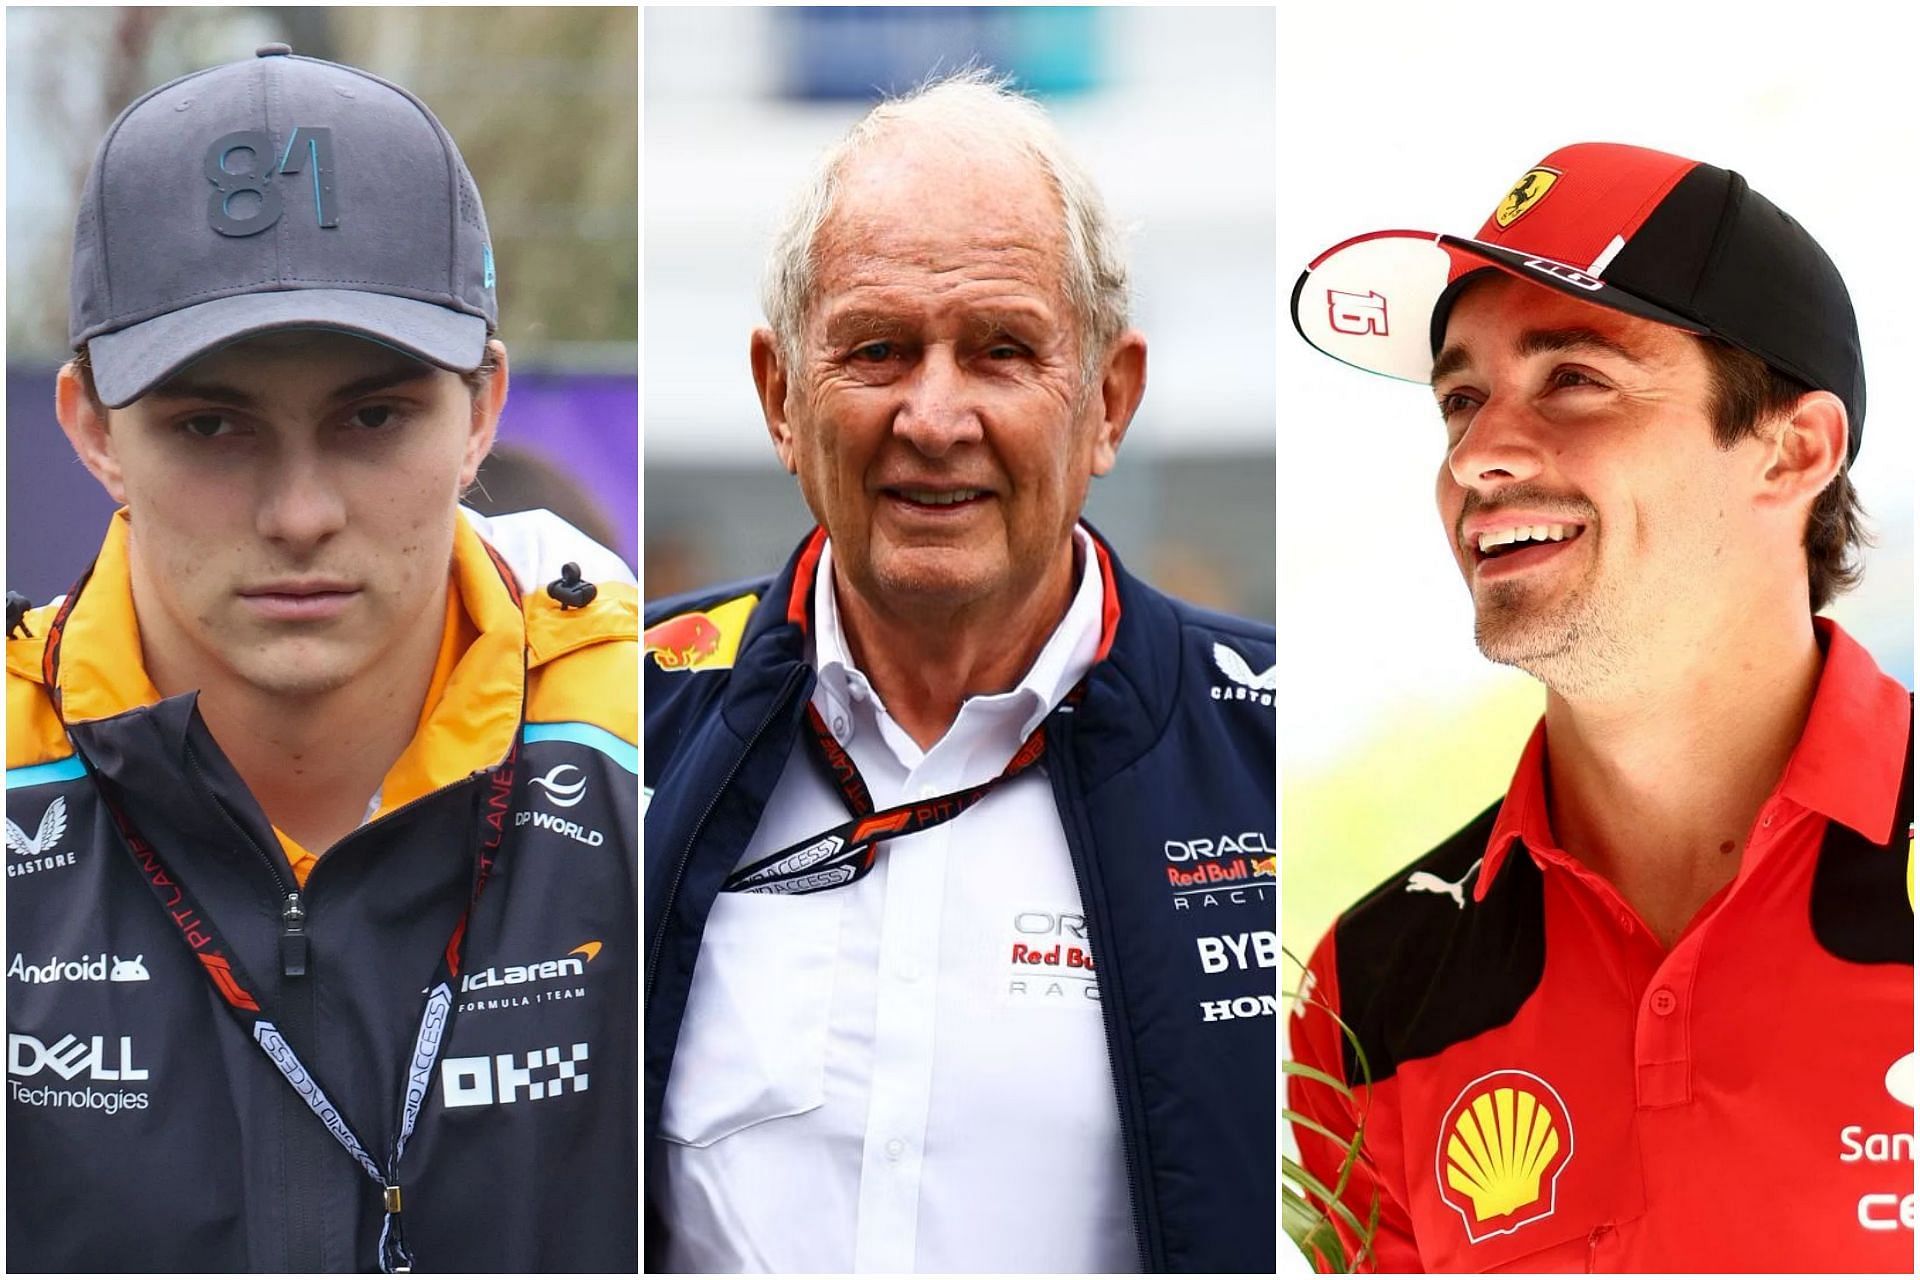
x=770, y=382
x=1123, y=381
x=1806, y=451
x=84, y=420
x=485, y=419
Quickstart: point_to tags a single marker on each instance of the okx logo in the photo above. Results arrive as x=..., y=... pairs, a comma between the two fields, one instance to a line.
x=1502, y=1147
x=502, y=1077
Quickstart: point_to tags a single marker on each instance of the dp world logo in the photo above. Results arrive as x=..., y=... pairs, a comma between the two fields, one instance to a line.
x=563, y=792
x=1502, y=1146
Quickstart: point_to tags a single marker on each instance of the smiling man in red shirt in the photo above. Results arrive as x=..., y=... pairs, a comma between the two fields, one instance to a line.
x=1653, y=1010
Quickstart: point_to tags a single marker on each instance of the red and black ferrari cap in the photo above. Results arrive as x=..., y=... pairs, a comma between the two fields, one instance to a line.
x=1654, y=235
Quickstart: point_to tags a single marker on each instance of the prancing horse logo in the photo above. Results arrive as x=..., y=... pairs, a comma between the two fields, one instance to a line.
x=1528, y=192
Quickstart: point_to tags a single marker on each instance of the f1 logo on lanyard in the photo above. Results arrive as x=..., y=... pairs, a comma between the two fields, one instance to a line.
x=241, y=166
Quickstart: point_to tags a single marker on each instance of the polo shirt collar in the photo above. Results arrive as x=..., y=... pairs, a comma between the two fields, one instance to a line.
x=1847, y=765
x=1066, y=657
x=1852, y=754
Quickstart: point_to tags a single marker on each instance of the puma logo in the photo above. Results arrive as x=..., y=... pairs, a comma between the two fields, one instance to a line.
x=1427, y=882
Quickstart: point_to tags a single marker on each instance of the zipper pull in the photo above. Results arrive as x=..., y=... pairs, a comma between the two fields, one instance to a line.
x=293, y=938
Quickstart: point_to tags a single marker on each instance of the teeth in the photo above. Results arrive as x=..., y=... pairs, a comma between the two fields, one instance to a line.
x=939, y=497
x=1527, y=533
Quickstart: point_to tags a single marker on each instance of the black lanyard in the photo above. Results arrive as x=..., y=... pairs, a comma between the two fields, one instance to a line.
x=845, y=853
x=237, y=992
x=230, y=980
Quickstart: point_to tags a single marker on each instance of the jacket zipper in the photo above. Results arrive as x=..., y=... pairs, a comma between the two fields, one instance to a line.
x=293, y=911
x=1060, y=731
x=1593, y=1245
x=305, y=1236
x=686, y=854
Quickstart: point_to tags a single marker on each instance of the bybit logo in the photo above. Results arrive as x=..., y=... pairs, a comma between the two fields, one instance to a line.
x=1502, y=1147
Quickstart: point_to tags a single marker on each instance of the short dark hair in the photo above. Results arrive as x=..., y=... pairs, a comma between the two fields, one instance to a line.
x=1748, y=391
x=476, y=379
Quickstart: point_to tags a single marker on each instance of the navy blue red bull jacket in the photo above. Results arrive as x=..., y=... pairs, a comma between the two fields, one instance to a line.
x=1163, y=771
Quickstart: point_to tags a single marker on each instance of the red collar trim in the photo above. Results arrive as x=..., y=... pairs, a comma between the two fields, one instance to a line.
x=1109, y=602
x=800, y=599
x=1847, y=765
x=1853, y=752
x=1523, y=814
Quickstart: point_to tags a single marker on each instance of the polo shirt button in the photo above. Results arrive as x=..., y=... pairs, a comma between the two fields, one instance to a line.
x=1663, y=1002
x=839, y=726
x=895, y=1148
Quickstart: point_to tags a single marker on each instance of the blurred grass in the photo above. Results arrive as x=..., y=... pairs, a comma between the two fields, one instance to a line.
x=1409, y=784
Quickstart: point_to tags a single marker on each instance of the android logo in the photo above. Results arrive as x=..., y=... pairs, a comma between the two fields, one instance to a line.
x=129, y=970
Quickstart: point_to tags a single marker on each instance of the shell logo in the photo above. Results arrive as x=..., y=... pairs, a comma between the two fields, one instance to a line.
x=1502, y=1147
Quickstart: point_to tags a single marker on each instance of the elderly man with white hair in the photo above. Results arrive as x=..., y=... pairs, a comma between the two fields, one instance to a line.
x=960, y=863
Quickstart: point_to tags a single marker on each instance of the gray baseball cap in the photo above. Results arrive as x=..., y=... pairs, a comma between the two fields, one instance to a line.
x=276, y=193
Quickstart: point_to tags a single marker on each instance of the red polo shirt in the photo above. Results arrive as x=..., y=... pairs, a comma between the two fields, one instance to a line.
x=1552, y=1090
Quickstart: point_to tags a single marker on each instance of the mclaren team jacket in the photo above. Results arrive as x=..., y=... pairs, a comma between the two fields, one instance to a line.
x=1160, y=768
x=147, y=1132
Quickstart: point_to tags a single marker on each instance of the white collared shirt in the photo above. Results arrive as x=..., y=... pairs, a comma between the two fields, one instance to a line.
x=909, y=1073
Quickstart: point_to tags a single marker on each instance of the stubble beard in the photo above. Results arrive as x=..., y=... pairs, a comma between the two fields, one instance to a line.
x=1575, y=645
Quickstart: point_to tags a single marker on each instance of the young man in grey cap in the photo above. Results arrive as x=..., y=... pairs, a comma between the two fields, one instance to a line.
x=321, y=831
x=1596, y=1029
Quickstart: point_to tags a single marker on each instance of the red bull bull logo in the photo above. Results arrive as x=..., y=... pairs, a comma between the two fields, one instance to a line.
x=680, y=642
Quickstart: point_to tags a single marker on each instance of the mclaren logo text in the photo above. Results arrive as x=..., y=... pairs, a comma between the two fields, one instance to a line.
x=1502, y=1147
x=510, y=986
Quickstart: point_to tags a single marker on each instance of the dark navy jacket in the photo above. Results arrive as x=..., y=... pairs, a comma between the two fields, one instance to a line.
x=1163, y=771
x=147, y=1132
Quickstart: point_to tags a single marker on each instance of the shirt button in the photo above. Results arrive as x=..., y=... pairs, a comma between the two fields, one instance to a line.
x=1663, y=1002
x=839, y=726
x=895, y=1148
x=909, y=973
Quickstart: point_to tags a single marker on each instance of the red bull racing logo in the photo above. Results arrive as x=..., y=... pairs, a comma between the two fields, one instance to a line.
x=1503, y=1145
x=681, y=642
x=702, y=640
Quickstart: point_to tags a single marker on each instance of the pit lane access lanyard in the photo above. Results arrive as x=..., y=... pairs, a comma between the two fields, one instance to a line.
x=845, y=853
x=229, y=979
